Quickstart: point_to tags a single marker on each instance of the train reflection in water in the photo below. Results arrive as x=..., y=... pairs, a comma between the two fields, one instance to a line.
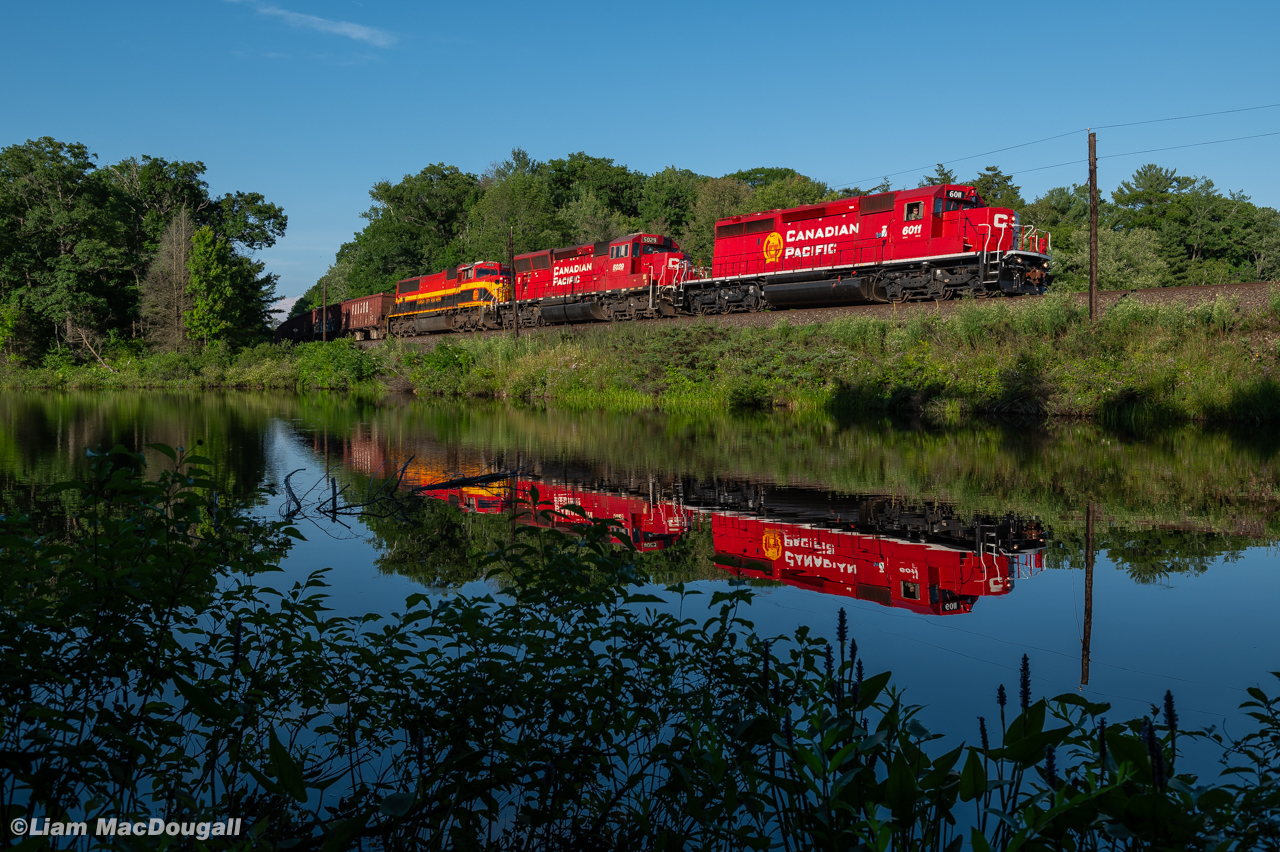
x=926, y=558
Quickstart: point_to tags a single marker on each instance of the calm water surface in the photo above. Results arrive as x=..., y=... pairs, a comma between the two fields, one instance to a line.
x=953, y=552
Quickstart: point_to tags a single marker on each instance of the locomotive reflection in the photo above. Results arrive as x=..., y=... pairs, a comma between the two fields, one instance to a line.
x=924, y=557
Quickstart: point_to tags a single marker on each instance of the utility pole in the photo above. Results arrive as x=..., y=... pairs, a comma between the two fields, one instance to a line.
x=324, y=310
x=511, y=273
x=1093, y=226
x=1087, y=639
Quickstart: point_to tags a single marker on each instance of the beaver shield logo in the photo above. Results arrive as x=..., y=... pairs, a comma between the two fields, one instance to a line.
x=771, y=544
x=772, y=247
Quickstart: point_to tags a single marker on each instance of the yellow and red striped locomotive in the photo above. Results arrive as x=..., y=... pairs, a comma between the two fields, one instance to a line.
x=461, y=298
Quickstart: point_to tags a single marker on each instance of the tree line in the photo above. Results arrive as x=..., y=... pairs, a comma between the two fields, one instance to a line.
x=1158, y=229
x=137, y=253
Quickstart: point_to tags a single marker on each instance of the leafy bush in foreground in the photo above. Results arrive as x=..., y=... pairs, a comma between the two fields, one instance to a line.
x=147, y=671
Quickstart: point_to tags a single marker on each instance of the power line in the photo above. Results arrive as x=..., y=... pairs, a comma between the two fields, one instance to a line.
x=1183, y=117
x=1147, y=151
x=962, y=159
x=1070, y=132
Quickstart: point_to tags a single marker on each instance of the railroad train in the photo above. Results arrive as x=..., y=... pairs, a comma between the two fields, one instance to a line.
x=936, y=242
x=926, y=558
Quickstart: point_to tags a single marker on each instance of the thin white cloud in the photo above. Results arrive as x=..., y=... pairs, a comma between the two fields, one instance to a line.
x=359, y=32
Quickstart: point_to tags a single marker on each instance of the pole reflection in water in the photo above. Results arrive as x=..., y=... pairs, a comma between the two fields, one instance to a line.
x=1087, y=638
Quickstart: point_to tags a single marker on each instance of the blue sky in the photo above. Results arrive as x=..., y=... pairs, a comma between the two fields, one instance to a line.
x=310, y=103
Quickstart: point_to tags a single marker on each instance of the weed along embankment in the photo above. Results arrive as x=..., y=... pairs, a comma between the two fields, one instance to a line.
x=1166, y=362
x=1139, y=363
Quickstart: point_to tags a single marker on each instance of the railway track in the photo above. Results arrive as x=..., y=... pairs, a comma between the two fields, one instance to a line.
x=1251, y=296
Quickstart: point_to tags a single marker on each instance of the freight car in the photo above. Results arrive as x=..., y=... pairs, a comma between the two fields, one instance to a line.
x=363, y=318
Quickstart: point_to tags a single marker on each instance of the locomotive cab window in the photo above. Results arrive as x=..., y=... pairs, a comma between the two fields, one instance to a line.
x=654, y=249
x=616, y=252
x=914, y=211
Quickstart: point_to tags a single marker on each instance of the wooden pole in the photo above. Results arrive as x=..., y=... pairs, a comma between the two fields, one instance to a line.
x=324, y=309
x=1093, y=226
x=511, y=272
x=1087, y=639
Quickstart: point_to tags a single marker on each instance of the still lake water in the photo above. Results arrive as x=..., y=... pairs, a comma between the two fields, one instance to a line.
x=953, y=552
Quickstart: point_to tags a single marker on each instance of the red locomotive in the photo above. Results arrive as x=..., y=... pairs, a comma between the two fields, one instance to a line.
x=936, y=242
x=925, y=577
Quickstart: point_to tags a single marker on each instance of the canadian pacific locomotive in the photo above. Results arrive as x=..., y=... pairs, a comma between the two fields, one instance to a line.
x=935, y=242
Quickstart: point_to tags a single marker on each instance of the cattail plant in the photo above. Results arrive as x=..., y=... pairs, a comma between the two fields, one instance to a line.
x=828, y=664
x=1024, y=683
x=764, y=665
x=982, y=733
x=1155, y=752
x=1171, y=722
x=1102, y=745
x=842, y=630
x=1050, y=767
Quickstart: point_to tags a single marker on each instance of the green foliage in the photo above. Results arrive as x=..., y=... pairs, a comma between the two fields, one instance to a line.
x=667, y=203
x=210, y=287
x=618, y=188
x=76, y=240
x=574, y=709
x=790, y=192
x=942, y=175
x=518, y=202
x=997, y=188
x=716, y=199
x=335, y=365
x=1127, y=260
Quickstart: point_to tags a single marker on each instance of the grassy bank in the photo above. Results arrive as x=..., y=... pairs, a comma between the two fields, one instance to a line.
x=1139, y=364
x=338, y=365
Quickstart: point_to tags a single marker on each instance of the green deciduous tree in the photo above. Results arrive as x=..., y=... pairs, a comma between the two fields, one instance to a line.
x=668, y=200
x=1126, y=260
x=716, y=199
x=998, y=188
x=62, y=251
x=414, y=227
x=518, y=198
x=794, y=191
x=942, y=175
x=587, y=219
x=616, y=187
x=758, y=177
x=210, y=287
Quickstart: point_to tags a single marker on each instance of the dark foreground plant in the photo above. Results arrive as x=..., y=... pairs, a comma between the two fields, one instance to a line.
x=148, y=672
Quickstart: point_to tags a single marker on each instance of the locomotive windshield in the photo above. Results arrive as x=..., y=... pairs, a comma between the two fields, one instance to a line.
x=656, y=249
